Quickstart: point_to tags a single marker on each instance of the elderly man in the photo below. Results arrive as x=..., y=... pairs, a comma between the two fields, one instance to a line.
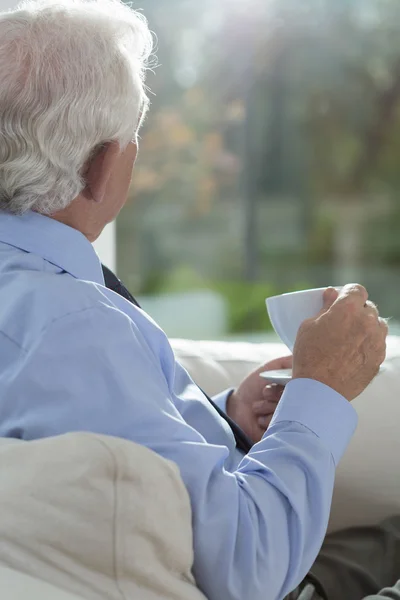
x=75, y=355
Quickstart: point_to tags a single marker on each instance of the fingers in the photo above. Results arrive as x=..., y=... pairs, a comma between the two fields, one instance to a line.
x=345, y=345
x=371, y=310
x=264, y=409
x=376, y=322
x=353, y=300
x=383, y=324
x=371, y=306
x=353, y=293
x=264, y=422
x=271, y=396
x=330, y=296
x=273, y=392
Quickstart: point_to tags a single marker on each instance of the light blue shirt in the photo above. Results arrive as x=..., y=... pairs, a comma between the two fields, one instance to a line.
x=76, y=356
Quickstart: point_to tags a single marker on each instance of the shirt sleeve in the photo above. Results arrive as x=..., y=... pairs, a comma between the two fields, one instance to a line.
x=222, y=398
x=256, y=530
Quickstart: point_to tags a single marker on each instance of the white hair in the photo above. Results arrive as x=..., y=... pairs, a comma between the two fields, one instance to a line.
x=71, y=78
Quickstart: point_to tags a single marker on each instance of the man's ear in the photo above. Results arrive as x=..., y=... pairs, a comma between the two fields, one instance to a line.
x=98, y=170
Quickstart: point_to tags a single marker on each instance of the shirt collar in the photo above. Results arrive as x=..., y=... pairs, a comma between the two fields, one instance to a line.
x=57, y=243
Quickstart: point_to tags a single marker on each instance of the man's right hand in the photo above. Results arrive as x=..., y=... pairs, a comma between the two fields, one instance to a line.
x=344, y=345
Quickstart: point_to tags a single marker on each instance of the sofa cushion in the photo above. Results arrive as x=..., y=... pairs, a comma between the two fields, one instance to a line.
x=15, y=585
x=96, y=516
x=367, y=487
x=216, y=366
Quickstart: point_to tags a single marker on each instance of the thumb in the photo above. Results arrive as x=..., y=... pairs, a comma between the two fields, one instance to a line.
x=330, y=296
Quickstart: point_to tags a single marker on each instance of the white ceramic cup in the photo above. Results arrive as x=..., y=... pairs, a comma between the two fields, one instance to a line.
x=288, y=311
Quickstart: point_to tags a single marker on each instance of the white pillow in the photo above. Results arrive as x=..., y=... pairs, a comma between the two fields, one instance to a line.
x=99, y=517
x=17, y=586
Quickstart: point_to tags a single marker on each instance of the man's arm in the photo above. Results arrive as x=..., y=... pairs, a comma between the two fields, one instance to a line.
x=257, y=531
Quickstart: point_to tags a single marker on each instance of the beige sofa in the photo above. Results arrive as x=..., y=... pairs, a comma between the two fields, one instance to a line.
x=86, y=517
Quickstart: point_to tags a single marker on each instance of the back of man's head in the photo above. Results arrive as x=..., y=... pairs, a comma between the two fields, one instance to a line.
x=71, y=78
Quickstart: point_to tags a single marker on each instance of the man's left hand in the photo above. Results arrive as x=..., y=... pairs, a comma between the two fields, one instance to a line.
x=254, y=402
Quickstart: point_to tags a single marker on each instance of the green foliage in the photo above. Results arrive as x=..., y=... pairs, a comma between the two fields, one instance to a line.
x=320, y=242
x=246, y=305
x=245, y=300
x=181, y=279
x=383, y=235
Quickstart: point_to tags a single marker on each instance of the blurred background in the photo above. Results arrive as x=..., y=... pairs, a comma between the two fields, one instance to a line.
x=269, y=161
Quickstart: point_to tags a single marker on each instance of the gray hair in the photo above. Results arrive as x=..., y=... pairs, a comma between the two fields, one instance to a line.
x=71, y=78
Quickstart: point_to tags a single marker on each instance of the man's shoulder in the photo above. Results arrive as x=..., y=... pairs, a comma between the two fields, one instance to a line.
x=33, y=301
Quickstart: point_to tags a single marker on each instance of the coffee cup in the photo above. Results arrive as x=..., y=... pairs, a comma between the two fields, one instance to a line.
x=288, y=311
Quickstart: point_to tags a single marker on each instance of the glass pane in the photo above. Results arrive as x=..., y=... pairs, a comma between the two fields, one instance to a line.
x=268, y=162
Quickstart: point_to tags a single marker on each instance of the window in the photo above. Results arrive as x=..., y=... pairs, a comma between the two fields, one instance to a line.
x=269, y=161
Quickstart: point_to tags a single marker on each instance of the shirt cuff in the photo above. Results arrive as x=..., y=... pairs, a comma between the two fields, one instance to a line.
x=222, y=398
x=322, y=410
